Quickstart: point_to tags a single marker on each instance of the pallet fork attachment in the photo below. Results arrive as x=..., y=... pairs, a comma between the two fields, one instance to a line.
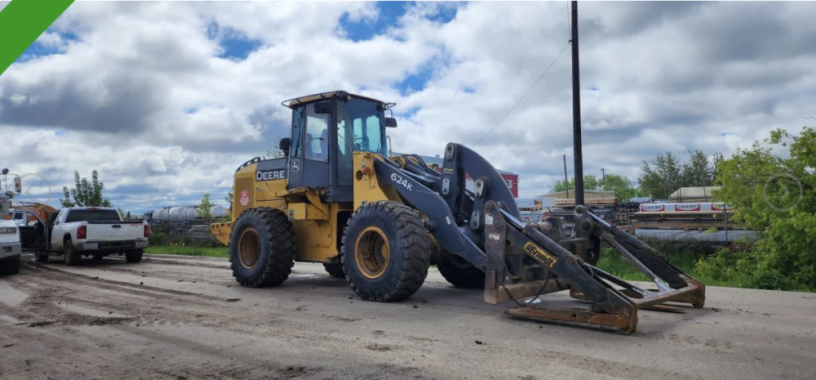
x=609, y=306
x=523, y=260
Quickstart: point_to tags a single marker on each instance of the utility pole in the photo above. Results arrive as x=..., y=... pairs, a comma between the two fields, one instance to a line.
x=566, y=182
x=576, y=111
x=603, y=177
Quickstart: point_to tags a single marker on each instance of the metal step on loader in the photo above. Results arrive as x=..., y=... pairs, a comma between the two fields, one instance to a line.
x=337, y=198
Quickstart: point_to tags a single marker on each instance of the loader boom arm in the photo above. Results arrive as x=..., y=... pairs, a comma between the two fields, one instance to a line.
x=522, y=260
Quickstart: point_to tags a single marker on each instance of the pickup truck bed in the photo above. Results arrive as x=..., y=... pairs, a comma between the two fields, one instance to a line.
x=93, y=231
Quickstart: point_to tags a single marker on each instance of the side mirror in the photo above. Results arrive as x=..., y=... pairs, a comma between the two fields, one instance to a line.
x=284, y=145
x=390, y=122
x=322, y=107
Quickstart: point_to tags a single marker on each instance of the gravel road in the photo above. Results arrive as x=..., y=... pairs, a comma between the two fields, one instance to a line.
x=185, y=318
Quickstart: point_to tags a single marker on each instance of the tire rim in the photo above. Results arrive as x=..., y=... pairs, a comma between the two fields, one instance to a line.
x=372, y=252
x=249, y=248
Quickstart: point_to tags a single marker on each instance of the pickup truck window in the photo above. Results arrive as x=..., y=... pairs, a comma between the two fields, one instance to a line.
x=91, y=215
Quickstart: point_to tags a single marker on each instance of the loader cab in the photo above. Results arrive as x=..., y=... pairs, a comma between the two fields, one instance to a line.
x=326, y=129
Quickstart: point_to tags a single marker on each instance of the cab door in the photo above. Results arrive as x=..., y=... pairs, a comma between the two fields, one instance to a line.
x=308, y=164
x=294, y=174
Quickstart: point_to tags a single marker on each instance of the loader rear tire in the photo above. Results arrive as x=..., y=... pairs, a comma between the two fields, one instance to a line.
x=262, y=248
x=461, y=273
x=385, y=252
x=335, y=270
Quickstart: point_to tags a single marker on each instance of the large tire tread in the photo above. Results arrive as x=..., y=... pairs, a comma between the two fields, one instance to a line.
x=410, y=244
x=280, y=255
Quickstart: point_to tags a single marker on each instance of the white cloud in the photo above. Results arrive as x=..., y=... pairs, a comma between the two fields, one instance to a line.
x=143, y=96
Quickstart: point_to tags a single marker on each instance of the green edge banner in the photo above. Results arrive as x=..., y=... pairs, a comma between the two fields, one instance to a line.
x=22, y=22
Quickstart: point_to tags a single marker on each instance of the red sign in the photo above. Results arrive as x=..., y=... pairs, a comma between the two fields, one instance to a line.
x=651, y=207
x=244, y=198
x=687, y=207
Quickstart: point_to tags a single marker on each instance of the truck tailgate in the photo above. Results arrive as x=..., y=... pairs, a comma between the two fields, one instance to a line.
x=114, y=231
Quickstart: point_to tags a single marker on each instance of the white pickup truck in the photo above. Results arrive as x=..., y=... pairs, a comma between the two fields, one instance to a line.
x=10, y=247
x=93, y=231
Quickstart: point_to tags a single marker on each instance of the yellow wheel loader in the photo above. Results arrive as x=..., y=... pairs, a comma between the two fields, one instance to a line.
x=337, y=198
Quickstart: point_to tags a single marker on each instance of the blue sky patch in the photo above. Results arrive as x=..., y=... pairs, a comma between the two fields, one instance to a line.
x=235, y=44
x=37, y=49
x=446, y=14
x=59, y=132
x=415, y=82
x=191, y=111
x=390, y=12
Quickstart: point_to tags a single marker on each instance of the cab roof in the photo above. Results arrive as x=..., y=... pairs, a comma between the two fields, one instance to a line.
x=291, y=103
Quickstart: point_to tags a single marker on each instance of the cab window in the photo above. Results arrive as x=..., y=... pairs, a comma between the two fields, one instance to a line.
x=315, y=142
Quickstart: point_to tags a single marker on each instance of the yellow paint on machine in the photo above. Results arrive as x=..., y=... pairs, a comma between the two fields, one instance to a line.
x=367, y=187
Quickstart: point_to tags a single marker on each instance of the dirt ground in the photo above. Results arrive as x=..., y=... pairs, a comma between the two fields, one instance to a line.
x=186, y=318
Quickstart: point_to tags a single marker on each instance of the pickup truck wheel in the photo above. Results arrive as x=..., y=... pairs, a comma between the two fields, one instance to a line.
x=10, y=266
x=386, y=251
x=70, y=255
x=134, y=256
x=262, y=248
x=41, y=256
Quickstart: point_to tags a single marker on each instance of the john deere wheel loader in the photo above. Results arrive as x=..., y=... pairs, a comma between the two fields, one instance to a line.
x=337, y=198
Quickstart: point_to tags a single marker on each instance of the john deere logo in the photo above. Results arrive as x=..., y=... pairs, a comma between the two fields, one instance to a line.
x=295, y=165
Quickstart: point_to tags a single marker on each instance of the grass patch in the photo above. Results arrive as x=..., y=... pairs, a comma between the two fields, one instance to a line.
x=188, y=251
x=697, y=260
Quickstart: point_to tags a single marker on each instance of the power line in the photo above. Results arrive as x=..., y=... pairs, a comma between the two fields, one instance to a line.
x=525, y=94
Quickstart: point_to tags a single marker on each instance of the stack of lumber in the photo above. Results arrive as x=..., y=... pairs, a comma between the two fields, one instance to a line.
x=684, y=216
x=594, y=203
x=563, y=209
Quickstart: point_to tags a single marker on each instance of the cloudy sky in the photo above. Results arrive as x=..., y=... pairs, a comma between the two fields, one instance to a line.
x=166, y=99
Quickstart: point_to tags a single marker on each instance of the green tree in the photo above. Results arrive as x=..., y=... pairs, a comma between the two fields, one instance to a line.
x=620, y=185
x=228, y=198
x=204, y=207
x=590, y=183
x=85, y=193
x=777, y=196
x=662, y=177
x=698, y=170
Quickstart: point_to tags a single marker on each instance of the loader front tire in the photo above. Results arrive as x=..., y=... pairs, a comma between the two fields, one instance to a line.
x=262, y=248
x=385, y=252
x=461, y=273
